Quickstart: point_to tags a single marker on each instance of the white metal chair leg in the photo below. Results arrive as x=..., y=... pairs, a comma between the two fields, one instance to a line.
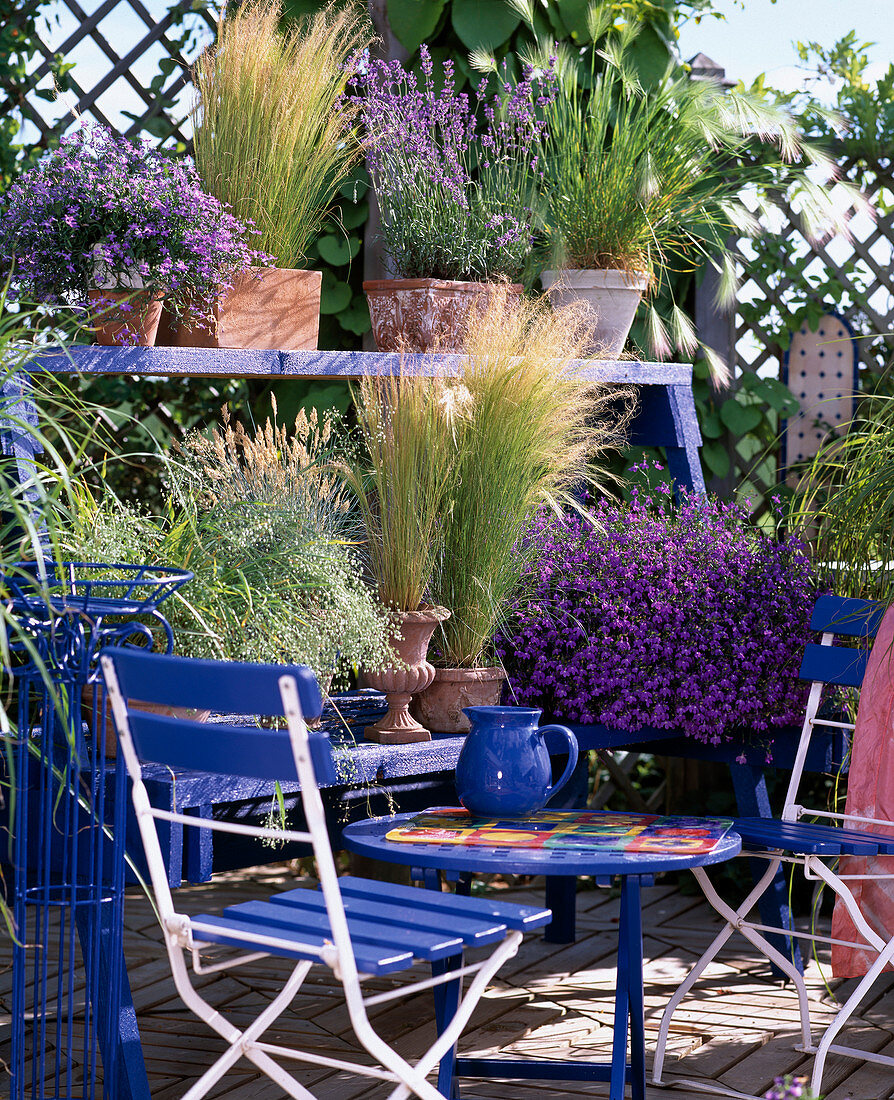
x=240, y=1041
x=735, y=922
x=825, y=1045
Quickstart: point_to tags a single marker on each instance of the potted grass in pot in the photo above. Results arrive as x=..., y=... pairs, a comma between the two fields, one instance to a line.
x=645, y=182
x=455, y=177
x=274, y=140
x=525, y=428
x=400, y=479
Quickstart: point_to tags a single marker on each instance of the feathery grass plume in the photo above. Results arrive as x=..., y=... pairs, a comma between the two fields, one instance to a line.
x=274, y=135
x=845, y=499
x=407, y=427
x=526, y=429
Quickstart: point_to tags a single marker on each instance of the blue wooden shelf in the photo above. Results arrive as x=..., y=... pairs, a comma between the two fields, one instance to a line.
x=665, y=415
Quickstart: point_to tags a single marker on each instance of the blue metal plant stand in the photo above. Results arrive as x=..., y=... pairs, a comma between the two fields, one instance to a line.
x=74, y=1030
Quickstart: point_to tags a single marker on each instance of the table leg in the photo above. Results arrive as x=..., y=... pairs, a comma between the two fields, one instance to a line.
x=622, y=1002
x=632, y=930
x=561, y=897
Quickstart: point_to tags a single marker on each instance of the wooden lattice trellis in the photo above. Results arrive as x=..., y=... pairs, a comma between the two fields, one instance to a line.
x=863, y=265
x=156, y=98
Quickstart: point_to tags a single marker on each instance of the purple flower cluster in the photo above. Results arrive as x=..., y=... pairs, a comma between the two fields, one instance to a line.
x=790, y=1088
x=683, y=616
x=455, y=175
x=103, y=211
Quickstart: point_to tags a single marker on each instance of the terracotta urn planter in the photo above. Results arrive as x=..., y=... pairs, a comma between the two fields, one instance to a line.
x=268, y=308
x=124, y=318
x=611, y=300
x=397, y=726
x=418, y=315
x=440, y=706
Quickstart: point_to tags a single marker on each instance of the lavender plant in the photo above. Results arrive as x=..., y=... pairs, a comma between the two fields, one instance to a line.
x=664, y=615
x=101, y=211
x=455, y=175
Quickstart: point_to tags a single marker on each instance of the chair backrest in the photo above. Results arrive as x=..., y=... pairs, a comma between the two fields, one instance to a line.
x=830, y=664
x=134, y=677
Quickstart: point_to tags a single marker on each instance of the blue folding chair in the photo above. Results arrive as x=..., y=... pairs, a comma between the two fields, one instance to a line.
x=796, y=838
x=357, y=927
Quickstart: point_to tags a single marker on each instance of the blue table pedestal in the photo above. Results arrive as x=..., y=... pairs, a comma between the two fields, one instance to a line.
x=629, y=1025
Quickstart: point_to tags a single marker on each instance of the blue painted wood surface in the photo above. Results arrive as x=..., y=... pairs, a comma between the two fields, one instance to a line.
x=665, y=416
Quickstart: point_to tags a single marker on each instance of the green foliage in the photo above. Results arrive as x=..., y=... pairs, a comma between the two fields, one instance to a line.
x=262, y=523
x=20, y=39
x=274, y=137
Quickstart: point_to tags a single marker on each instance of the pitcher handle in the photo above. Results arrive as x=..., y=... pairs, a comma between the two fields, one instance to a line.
x=572, y=758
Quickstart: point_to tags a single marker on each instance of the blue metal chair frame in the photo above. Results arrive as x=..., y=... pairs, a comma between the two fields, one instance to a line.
x=68, y=826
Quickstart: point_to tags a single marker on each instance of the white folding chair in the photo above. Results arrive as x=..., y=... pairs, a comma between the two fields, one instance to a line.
x=796, y=839
x=356, y=927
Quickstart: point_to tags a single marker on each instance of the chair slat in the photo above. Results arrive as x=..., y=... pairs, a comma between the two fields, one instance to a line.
x=516, y=917
x=232, y=932
x=300, y=916
x=224, y=750
x=806, y=838
x=473, y=931
x=221, y=686
x=848, y=617
x=834, y=664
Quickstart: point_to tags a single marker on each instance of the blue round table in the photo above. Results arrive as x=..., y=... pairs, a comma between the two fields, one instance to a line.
x=635, y=870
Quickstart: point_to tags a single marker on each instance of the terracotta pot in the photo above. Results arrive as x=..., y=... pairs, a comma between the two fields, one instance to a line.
x=268, y=308
x=440, y=706
x=88, y=696
x=397, y=727
x=611, y=299
x=419, y=315
x=116, y=327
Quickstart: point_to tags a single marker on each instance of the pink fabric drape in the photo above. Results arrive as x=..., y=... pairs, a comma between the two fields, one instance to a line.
x=870, y=793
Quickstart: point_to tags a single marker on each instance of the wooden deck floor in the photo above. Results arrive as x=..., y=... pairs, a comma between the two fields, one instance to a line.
x=551, y=1001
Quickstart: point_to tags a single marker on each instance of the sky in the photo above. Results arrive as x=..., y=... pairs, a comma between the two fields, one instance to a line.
x=757, y=35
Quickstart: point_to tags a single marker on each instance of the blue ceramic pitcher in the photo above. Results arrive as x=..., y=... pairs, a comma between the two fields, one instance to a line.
x=504, y=769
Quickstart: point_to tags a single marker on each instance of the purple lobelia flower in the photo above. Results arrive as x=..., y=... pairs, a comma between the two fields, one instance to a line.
x=456, y=175
x=102, y=211
x=670, y=615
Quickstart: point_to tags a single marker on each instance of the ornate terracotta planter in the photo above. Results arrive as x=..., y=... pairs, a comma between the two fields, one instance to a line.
x=127, y=318
x=397, y=727
x=440, y=706
x=419, y=315
x=611, y=300
x=268, y=308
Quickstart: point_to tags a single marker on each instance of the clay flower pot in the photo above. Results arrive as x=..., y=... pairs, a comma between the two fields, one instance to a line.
x=397, y=727
x=440, y=706
x=124, y=318
x=418, y=315
x=268, y=308
x=611, y=300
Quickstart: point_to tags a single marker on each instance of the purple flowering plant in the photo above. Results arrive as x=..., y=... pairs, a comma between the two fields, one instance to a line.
x=670, y=615
x=455, y=174
x=790, y=1088
x=102, y=211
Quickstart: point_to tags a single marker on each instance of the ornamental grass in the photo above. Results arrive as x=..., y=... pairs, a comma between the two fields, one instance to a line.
x=527, y=429
x=274, y=134
x=846, y=499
